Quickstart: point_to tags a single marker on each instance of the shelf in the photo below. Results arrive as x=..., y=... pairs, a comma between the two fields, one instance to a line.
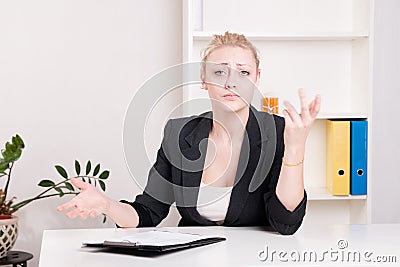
x=321, y=193
x=317, y=36
x=344, y=116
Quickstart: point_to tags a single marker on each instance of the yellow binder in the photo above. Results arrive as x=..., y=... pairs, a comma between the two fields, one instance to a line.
x=338, y=157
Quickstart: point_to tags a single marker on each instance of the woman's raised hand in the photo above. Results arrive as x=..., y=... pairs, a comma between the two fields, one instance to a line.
x=89, y=203
x=298, y=125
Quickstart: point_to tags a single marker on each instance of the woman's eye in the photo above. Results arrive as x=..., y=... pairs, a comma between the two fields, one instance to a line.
x=219, y=72
x=244, y=73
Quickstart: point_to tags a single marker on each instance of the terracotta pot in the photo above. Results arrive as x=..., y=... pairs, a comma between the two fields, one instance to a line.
x=8, y=234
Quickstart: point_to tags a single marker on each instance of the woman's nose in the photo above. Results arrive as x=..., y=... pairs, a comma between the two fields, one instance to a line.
x=231, y=80
x=230, y=86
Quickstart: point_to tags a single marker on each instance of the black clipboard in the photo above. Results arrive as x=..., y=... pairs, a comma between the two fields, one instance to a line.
x=129, y=246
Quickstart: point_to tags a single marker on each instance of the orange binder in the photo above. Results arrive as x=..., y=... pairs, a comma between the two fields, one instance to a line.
x=338, y=157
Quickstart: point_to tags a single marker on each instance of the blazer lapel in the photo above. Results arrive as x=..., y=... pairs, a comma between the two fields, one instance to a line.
x=193, y=157
x=250, y=173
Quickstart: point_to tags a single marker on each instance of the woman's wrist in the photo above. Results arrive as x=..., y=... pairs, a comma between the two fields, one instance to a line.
x=294, y=154
x=292, y=164
x=107, y=205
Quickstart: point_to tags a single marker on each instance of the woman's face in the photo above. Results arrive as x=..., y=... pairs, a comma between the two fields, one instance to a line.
x=230, y=77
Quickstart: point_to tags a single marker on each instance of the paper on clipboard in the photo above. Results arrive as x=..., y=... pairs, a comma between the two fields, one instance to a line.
x=156, y=238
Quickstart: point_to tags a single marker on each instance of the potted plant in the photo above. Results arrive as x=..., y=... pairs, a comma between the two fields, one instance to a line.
x=8, y=206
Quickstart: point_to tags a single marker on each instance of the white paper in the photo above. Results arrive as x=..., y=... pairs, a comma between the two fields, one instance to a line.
x=159, y=238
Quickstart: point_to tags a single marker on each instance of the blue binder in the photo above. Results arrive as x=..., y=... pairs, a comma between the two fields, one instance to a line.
x=358, y=156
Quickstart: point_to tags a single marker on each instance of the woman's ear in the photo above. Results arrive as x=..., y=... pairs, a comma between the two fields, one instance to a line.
x=258, y=78
x=203, y=83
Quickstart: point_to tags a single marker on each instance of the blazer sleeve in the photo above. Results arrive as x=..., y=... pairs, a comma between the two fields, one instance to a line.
x=154, y=203
x=281, y=219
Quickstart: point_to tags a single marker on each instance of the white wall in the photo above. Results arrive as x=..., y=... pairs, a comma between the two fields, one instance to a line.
x=68, y=70
x=385, y=143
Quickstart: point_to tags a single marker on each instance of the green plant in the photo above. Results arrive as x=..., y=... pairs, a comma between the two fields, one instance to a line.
x=13, y=151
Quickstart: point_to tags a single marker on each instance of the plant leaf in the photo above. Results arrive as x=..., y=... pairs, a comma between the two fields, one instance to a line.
x=59, y=190
x=102, y=185
x=88, y=167
x=89, y=180
x=77, y=167
x=14, y=141
x=104, y=218
x=83, y=179
x=11, y=156
x=10, y=147
x=21, y=143
x=3, y=165
x=62, y=186
x=69, y=186
x=96, y=170
x=46, y=183
x=104, y=175
x=4, y=152
x=62, y=171
x=17, y=142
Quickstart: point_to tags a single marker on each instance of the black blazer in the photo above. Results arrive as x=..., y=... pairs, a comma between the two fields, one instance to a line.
x=176, y=176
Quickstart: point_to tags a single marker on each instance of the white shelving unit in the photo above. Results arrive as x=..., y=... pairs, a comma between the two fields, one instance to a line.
x=323, y=46
x=307, y=36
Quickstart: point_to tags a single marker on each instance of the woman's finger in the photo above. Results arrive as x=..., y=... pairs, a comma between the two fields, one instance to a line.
x=83, y=215
x=295, y=117
x=311, y=107
x=79, y=183
x=66, y=206
x=72, y=214
x=316, y=105
x=288, y=119
x=305, y=114
x=93, y=213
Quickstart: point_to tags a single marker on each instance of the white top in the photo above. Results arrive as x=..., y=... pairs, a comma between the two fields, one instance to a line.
x=213, y=202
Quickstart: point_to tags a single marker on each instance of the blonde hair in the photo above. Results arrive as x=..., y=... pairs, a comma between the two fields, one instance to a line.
x=232, y=39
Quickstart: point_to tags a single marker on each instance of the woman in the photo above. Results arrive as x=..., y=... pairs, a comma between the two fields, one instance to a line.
x=252, y=161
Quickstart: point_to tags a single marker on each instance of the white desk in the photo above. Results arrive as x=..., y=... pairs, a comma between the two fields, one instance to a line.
x=242, y=247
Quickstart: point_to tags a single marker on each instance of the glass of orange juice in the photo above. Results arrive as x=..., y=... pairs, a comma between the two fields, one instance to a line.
x=270, y=104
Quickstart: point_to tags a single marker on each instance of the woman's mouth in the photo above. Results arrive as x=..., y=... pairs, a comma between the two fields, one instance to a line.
x=231, y=96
